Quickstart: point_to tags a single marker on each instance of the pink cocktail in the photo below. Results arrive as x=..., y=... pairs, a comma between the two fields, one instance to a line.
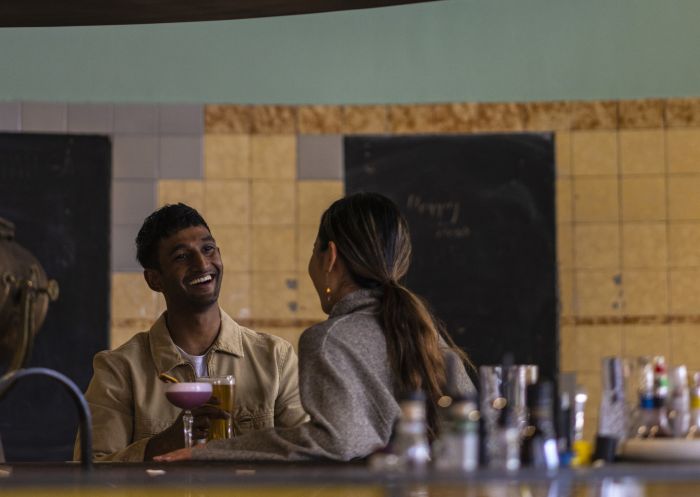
x=188, y=396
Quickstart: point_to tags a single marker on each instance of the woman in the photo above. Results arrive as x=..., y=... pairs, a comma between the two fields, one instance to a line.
x=379, y=343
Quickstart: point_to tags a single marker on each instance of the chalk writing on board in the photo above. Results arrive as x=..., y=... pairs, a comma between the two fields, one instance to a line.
x=444, y=213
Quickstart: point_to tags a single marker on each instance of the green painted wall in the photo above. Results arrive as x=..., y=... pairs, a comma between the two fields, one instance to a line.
x=453, y=50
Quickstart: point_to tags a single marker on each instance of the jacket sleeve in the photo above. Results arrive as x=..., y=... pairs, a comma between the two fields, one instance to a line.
x=109, y=396
x=344, y=422
x=288, y=409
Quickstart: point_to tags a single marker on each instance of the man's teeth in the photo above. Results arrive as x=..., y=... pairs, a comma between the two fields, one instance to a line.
x=203, y=279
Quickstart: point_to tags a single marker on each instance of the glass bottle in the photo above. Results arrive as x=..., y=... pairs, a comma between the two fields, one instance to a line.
x=694, y=429
x=411, y=443
x=651, y=420
x=503, y=448
x=457, y=449
x=539, y=444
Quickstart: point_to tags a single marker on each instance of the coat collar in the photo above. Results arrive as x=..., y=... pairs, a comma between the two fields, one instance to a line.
x=166, y=356
x=364, y=299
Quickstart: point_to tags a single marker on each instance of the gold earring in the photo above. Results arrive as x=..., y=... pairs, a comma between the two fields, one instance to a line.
x=328, y=294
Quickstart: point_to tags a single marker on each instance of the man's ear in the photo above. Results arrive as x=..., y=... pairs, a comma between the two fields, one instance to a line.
x=331, y=257
x=152, y=278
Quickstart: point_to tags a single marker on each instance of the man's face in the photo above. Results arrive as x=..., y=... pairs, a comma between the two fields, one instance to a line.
x=190, y=271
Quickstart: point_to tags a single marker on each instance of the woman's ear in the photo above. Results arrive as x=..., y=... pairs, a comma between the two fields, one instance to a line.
x=331, y=257
x=152, y=278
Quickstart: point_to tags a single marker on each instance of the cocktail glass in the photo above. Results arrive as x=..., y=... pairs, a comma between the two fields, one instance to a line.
x=188, y=396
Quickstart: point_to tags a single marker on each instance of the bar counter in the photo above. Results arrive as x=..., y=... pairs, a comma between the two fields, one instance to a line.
x=341, y=480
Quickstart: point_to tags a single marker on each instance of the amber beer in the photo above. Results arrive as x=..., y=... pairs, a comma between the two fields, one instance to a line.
x=224, y=389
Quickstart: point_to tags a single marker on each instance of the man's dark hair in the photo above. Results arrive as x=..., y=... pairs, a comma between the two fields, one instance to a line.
x=164, y=222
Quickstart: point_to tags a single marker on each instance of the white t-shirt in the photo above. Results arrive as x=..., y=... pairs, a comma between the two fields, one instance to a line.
x=198, y=363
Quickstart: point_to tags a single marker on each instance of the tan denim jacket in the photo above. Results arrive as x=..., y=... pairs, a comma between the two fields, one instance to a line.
x=128, y=402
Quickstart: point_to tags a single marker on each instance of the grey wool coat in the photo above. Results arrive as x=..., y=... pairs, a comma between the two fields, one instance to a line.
x=346, y=386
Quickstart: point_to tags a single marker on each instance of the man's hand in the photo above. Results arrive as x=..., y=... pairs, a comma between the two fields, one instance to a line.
x=178, y=455
x=173, y=438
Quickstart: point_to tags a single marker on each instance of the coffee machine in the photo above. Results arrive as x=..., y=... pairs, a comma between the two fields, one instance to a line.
x=25, y=294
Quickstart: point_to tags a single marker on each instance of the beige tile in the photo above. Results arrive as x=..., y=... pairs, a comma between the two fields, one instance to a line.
x=273, y=119
x=226, y=156
x=567, y=349
x=644, y=340
x=273, y=157
x=562, y=153
x=684, y=244
x=683, y=198
x=685, y=344
x=190, y=192
x=683, y=148
x=684, y=287
x=314, y=197
x=274, y=202
x=234, y=243
x=319, y=119
x=564, y=200
x=364, y=119
x=595, y=342
x=594, y=115
x=306, y=236
x=566, y=293
x=682, y=112
x=309, y=303
x=227, y=202
x=642, y=151
x=648, y=113
x=644, y=246
x=121, y=331
x=644, y=198
x=597, y=293
x=645, y=292
x=596, y=199
x=228, y=118
x=131, y=297
x=597, y=246
x=288, y=333
x=274, y=295
x=565, y=246
x=594, y=152
x=274, y=248
x=235, y=296
x=546, y=116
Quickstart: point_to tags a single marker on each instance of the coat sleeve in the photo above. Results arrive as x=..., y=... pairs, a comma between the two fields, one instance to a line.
x=288, y=409
x=344, y=422
x=110, y=400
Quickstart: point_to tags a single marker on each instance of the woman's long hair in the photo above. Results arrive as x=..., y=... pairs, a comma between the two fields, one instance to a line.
x=373, y=240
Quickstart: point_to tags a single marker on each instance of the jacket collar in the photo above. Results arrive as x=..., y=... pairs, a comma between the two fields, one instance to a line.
x=166, y=356
x=359, y=300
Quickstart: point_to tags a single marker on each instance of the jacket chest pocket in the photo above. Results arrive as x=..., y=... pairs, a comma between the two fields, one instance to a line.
x=247, y=421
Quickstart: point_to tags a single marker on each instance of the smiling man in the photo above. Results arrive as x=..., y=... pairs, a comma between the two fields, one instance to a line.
x=194, y=337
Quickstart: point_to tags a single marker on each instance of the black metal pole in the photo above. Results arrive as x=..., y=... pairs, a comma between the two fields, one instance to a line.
x=10, y=379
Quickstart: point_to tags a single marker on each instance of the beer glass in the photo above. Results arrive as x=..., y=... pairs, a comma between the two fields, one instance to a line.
x=224, y=389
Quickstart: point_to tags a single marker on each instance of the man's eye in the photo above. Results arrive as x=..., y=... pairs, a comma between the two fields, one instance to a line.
x=180, y=257
x=209, y=248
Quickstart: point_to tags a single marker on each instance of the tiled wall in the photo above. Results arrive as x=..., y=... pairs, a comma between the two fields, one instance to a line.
x=628, y=206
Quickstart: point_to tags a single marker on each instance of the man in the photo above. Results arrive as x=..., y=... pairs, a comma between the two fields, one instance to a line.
x=132, y=419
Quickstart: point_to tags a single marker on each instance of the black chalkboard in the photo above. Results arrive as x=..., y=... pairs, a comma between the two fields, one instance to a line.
x=56, y=190
x=481, y=213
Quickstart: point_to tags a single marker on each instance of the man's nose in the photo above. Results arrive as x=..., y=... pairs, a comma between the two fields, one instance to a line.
x=200, y=261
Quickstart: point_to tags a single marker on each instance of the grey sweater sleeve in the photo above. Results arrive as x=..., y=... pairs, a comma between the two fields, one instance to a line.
x=351, y=412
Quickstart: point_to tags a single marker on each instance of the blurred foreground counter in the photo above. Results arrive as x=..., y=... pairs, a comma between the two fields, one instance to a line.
x=335, y=480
